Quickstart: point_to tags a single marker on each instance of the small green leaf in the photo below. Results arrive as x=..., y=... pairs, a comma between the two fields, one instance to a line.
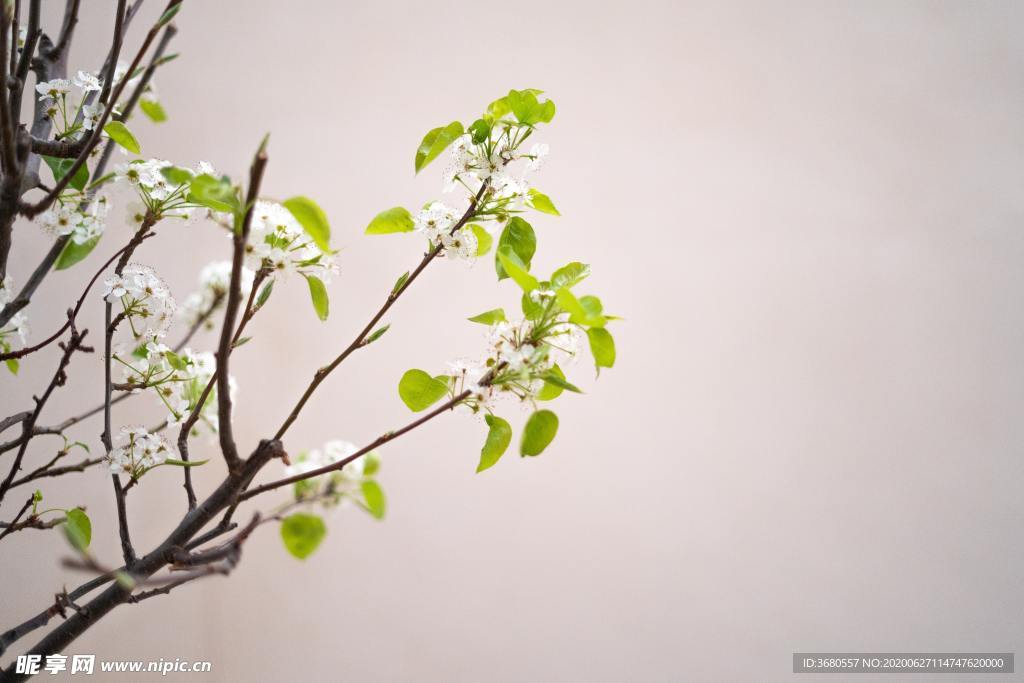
x=175, y=361
x=540, y=429
x=480, y=130
x=435, y=142
x=371, y=464
x=527, y=108
x=583, y=311
x=541, y=202
x=312, y=219
x=602, y=346
x=37, y=497
x=176, y=176
x=302, y=533
x=570, y=275
x=483, y=239
x=13, y=365
x=396, y=219
x=78, y=528
x=554, y=384
x=72, y=253
x=166, y=17
x=419, y=390
x=376, y=504
x=496, y=315
x=516, y=270
x=499, y=435
x=120, y=134
x=241, y=342
x=264, y=294
x=318, y=293
x=518, y=236
x=400, y=282
x=377, y=334
x=213, y=193
x=153, y=110
x=60, y=167
x=185, y=463
x=558, y=379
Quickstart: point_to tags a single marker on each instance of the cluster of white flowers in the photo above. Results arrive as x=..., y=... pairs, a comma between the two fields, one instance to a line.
x=214, y=281
x=137, y=451
x=278, y=242
x=146, y=299
x=518, y=361
x=156, y=193
x=68, y=121
x=437, y=221
x=337, y=486
x=472, y=164
x=67, y=217
x=17, y=326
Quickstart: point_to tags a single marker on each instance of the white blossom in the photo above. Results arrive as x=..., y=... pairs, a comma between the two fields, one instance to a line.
x=54, y=89
x=86, y=81
x=145, y=298
x=138, y=451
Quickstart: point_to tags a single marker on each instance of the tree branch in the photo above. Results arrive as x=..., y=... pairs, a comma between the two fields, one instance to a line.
x=59, y=377
x=323, y=372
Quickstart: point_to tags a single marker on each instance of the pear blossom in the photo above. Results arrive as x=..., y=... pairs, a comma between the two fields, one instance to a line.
x=138, y=451
x=145, y=298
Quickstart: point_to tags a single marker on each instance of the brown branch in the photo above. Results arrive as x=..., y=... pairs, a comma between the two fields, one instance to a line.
x=45, y=472
x=31, y=210
x=13, y=525
x=133, y=244
x=59, y=378
x=358, y=342
x=240, y=236
x=376, y=443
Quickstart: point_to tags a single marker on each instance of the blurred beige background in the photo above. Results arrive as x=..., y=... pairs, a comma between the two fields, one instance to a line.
x=810, y=215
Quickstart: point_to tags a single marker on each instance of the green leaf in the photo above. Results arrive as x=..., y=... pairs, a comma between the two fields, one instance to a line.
x=582, y=311
x=527, y=109
x=554, y=384
x=78, y=528
x=395, y=219
x=483, y=239
x=419, y=390
x=371, y=464
x=13, y=365
x=120, y=134
x=318, y=293
x=496, y=315
x=60, y=167
x=377, y=334
x=499, y=435
x=376, y=504
x=540, y=429
x=541, y=202
x=312, y=219
x=519, y=236
x=302, y=533
x=400, y=282
x=176, y=176
x=435, y=142
x=241, y=342
x=557, y=378
x=264, y=294
x=213, y=193
x=72, y=253
x=516, y=270
x=166, y=17
x=175, y=361
x=480, y=130
x=570, y=275
x=531, y=309
x=185, y=463
x=602, y=346
x=153, y=110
